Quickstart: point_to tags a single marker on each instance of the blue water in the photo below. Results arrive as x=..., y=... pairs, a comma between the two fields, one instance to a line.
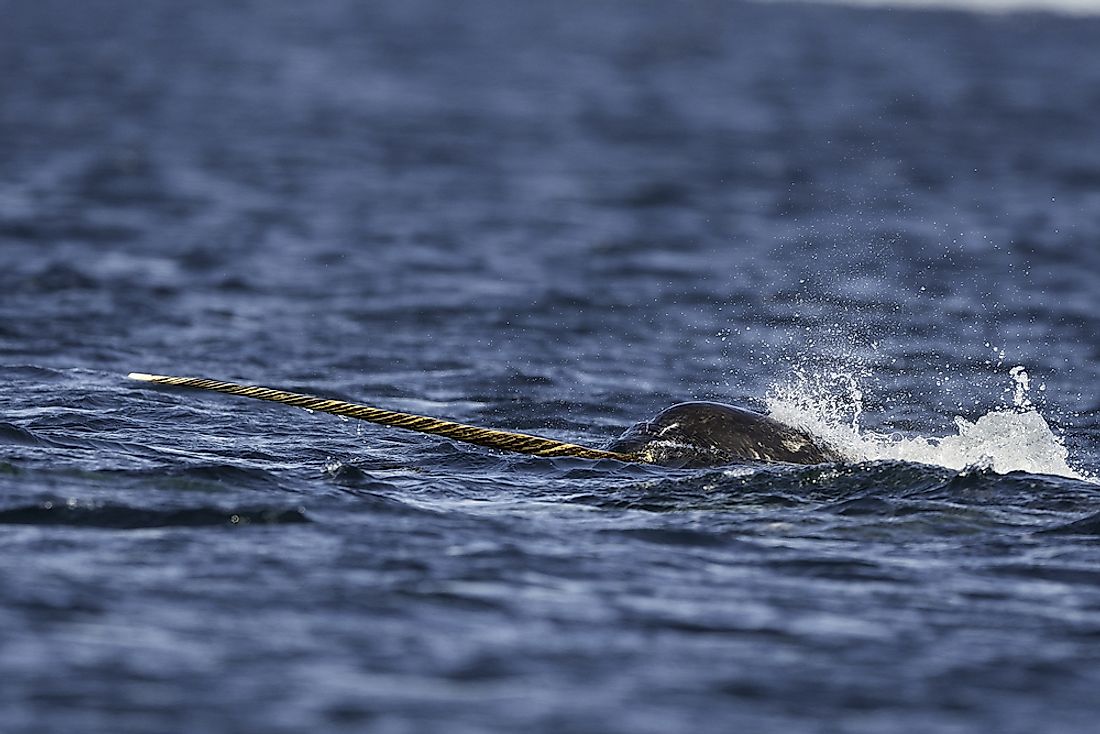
x=556, y=218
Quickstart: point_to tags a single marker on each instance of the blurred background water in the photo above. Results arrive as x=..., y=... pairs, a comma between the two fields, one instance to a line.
x=878, y=223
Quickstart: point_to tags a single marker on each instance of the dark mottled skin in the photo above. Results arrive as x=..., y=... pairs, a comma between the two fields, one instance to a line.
x=701, y=434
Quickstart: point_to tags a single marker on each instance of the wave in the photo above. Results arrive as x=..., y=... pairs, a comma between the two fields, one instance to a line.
x=123, y=517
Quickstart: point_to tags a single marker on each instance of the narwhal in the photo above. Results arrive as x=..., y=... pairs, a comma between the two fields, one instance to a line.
x=686, y=435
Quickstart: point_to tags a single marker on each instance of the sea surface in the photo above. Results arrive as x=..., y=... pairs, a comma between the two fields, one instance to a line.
x=879, y=224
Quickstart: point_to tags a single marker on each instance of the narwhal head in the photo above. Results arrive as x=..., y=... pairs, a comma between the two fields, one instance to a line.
x=702, y=434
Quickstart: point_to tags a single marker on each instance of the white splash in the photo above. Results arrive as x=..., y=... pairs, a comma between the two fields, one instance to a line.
x=829, y=404
x=1081, y=7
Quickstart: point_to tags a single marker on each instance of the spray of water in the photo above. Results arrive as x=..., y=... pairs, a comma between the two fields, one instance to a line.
x=829, y=404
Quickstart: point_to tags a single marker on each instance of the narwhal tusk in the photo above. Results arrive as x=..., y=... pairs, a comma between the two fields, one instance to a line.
x=502, y=440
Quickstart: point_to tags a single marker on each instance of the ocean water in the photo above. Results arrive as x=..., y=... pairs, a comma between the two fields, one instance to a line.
x=880, y=224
